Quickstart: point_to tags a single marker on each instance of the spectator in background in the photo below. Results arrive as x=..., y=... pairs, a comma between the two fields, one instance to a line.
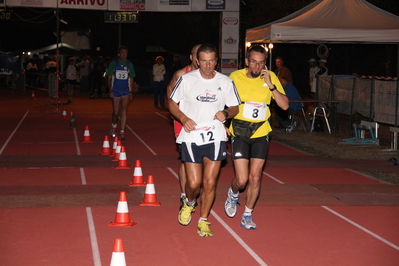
x=174, y=67
x=51, y=71
x=98, y=77
x=282, y=71
x=71, y=75
x=323, y=69
x=85, y=67
x=283, y=116
x=313, y=70
x=159, y=71
x=40, y=67
x=31, y=74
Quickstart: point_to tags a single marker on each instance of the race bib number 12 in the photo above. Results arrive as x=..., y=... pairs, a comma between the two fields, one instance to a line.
x=206, y=134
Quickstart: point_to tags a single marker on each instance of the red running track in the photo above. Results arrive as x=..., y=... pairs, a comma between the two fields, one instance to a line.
x=58, y=196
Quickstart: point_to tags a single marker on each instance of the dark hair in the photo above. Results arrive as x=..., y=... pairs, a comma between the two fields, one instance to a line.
x=258, y=49
x=208, y=48
x=123, y=47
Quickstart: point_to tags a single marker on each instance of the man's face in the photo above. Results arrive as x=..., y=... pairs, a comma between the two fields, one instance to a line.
x=207, y=62
x=255, y=62
x=279, y=63
x=123, y=54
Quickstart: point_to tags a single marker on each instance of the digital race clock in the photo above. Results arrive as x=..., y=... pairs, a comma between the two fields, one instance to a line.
x=121, y=17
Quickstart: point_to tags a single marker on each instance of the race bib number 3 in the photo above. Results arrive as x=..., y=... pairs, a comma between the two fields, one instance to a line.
x=121, y=74
x=255, y=111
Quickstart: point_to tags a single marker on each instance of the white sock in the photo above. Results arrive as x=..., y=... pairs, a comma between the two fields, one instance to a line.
x=234, y=195
x=248, y=211
x=190, y=203
x=202, y=219
x=182, y=195
x=114, y=125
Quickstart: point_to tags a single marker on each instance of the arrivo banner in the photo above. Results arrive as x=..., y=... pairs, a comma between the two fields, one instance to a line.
x=84, y=4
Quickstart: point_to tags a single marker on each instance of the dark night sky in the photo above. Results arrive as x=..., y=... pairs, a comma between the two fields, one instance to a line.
x=178, y=32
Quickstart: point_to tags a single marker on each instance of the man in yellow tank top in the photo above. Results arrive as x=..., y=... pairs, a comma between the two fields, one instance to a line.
x=250, y=129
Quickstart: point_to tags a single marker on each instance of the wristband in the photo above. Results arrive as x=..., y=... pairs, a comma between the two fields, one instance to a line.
x=274, y=88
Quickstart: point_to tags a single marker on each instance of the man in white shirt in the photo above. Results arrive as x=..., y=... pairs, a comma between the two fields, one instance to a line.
x=198, y=101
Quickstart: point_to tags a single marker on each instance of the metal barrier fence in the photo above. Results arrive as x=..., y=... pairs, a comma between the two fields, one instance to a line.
x=376, y=98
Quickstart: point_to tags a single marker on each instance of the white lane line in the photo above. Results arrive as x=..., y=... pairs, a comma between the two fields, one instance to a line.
x=239, y=239
x=173, y=172
x=92, y=230
x=93, y=238
x=48, y=143
x=76, y=142
x=12, y=133
x=362, y=228
x=142, y=141
x=164, y=117
x=83, y=176
x=272, y=177
x=231, y=231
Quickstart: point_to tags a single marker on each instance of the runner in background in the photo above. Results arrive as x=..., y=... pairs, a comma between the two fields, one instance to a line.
x=120, y=81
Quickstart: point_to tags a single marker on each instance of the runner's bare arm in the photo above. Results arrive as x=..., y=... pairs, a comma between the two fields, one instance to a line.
x=172, y=82
x=188, y=123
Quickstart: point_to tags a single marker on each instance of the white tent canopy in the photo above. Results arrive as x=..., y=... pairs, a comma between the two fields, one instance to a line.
x=331, y=21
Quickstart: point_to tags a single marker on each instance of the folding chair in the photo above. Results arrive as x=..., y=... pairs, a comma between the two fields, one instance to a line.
x=302, y=117
x=324, y=114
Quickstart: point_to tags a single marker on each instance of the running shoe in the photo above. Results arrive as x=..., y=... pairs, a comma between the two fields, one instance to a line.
x=230, y=206
x=112, y=132
x=203, y=229
x=290, y=128
x=182, y=199
x=122, y=135
x=246, y=222
x=185, y=213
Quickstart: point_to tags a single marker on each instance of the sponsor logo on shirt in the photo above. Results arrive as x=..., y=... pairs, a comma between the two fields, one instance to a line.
x=207, y=97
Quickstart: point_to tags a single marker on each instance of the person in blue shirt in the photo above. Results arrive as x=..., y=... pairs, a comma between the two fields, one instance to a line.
x=283, y=116
x=120, y=79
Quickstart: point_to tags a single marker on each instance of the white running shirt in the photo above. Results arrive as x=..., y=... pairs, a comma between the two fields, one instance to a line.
x=200, y=99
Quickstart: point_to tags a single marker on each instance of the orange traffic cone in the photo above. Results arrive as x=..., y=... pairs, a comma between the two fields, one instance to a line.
x=150, y=198
x=137, y=180
x=122, y=163
x=114, y=145
x=33, y=97
x=122, y=217
x=117, y=151
x=86, y=136
x=118, y=254
x=64, y=115
x=106, y=150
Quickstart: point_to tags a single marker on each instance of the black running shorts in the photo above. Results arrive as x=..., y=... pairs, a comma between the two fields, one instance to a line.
x=191, y=153
x=245, y=148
